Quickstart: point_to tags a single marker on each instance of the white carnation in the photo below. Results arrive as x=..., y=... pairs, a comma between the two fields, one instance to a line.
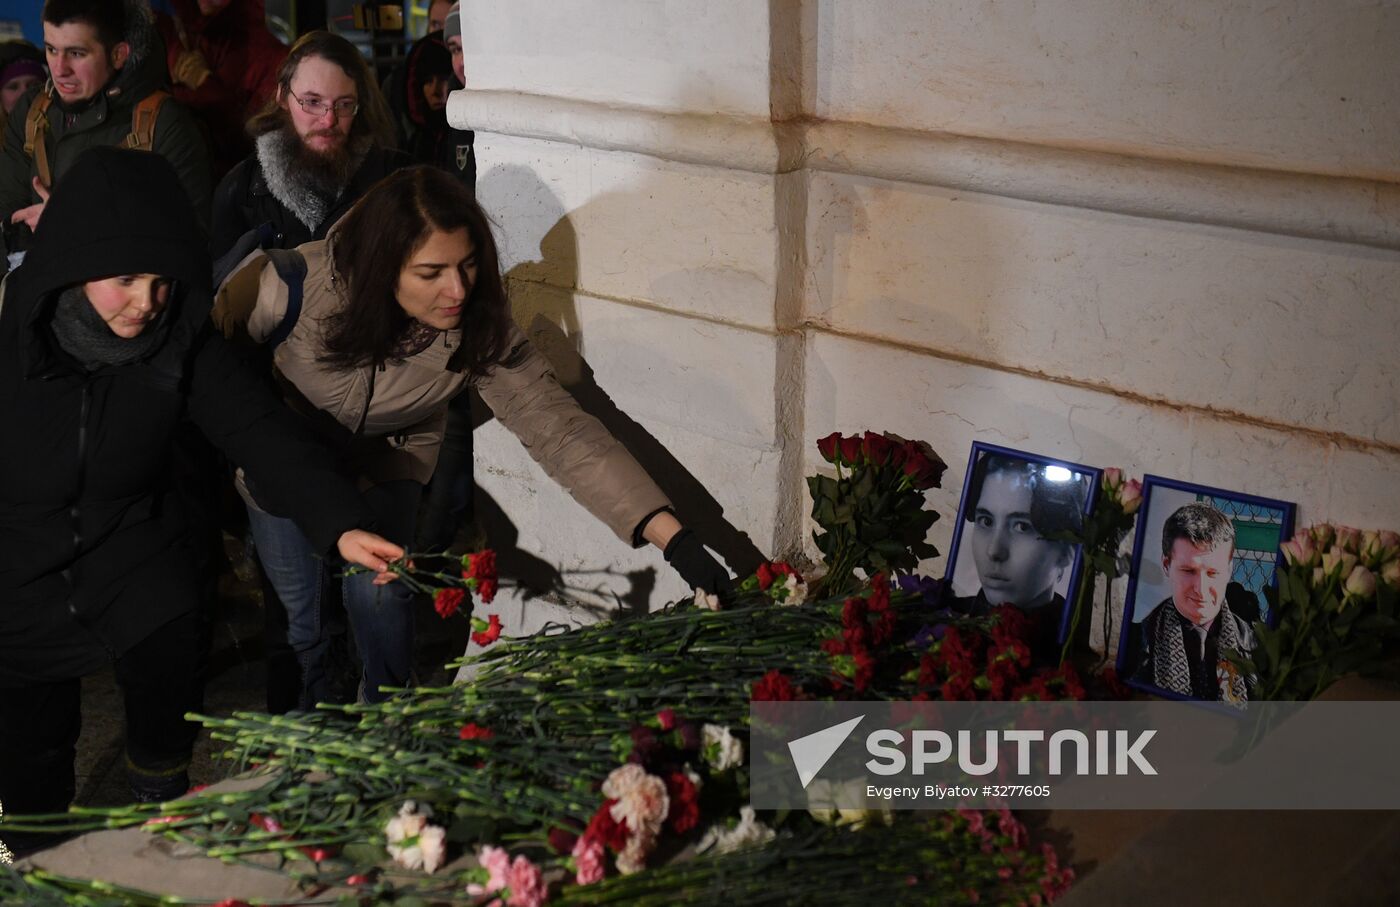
x=722, y=749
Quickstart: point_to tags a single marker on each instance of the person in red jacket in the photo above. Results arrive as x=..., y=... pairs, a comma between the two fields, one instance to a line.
x=223, y=63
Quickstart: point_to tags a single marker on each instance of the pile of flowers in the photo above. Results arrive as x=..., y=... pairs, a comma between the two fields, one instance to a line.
x=577, y=765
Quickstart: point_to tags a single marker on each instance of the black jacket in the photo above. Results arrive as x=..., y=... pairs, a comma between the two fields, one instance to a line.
x=424, y=134
x=93, y=553
x=243, y=202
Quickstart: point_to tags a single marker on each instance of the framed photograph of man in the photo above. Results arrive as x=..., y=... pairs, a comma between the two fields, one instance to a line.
x=1202, y=558
x=1005, y=547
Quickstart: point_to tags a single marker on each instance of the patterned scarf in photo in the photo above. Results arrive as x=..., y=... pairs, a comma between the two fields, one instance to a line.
x=1171, y=668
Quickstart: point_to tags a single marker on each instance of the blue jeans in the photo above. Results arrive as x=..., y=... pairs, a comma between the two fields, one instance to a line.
x=381, y=616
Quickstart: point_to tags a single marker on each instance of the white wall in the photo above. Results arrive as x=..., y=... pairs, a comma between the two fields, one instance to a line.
x=1162, y=236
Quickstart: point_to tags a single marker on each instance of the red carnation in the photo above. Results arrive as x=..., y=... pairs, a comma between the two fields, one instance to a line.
x=765, y=576
x=1074, y=689
x=490, y=634
x=865, y=670
x=481, y=565
x=829, y=447
x=879, y=592
x=562, y=841
x=685, y=803
x=958, y=688
x=666, y=718
x=773, y=687
x=486, y=588
x=475, y=731
x=603, y=827
x=447, y=601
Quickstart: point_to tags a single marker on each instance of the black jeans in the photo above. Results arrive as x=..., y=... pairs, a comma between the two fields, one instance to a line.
x=161, y=679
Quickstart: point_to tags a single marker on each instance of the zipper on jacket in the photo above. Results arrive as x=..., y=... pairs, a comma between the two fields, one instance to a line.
x=75, y=509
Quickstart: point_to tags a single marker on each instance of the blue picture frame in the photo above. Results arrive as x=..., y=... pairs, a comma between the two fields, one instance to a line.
x=1269, y=523
x=959, y=563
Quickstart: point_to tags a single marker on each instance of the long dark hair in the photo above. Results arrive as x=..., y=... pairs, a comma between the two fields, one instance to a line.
x=369, y=248
x=373, y=117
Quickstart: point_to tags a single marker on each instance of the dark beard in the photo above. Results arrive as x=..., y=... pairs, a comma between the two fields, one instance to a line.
x=328, y=171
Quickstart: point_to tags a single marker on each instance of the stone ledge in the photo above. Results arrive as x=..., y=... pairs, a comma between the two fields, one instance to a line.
x=1338, y=209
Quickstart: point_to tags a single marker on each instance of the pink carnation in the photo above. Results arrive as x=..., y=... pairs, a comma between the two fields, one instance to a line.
x=496, y=861
x=588, y=855
x=526, y=884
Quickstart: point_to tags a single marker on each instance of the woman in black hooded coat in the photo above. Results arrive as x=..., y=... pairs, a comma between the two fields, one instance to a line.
x=95, y=557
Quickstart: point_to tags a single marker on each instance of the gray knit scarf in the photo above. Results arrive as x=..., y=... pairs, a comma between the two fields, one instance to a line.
x=83, y=334
x=1170, y=668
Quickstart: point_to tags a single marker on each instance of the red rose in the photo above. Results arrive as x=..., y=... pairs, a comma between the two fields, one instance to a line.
x=447, y=601
x=850, y=450
x=829, y=447
x=475, y=731
x=490, y=634
x=773, y=687
x=923, y=467
x=685, y=803
x=877, y=448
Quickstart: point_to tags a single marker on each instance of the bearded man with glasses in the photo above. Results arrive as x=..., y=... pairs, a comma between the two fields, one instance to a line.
x=322, y=140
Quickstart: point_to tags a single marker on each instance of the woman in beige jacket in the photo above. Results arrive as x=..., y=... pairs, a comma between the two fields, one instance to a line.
x=402, y=308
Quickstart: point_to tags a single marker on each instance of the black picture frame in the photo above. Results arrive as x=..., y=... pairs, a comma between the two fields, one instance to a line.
x=962, y=558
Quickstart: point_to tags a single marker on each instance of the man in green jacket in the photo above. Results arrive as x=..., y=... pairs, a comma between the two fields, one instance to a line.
x=107, y=87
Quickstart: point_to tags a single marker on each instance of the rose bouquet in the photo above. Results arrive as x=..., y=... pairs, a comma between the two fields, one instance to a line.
x=872, y=512
x=1337, y=603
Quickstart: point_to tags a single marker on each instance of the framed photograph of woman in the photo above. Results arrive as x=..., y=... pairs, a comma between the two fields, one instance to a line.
x=1007, y=546
x=1202, y=558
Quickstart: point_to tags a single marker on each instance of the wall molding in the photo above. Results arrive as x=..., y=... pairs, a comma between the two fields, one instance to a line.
x=1338, y=209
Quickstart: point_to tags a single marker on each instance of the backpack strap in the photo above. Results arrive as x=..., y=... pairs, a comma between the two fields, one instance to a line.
x=35, y=125
x=143, y=121
x=291, y=268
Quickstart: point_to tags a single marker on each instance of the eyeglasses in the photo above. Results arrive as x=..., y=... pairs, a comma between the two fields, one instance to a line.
x=344, y=108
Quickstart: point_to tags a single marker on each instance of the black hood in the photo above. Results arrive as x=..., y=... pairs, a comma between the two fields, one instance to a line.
x=117, y=211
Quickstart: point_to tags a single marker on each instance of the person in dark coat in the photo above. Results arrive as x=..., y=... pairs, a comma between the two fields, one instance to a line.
x=108, y=346
x=223, y=63
x=321, y=142
x=107, y=59
x=418, y=100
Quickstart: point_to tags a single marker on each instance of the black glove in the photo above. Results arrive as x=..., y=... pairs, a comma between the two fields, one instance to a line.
x=697, y=566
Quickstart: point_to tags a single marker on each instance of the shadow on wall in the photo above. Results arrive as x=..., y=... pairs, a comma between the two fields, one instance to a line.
x=543, y=304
